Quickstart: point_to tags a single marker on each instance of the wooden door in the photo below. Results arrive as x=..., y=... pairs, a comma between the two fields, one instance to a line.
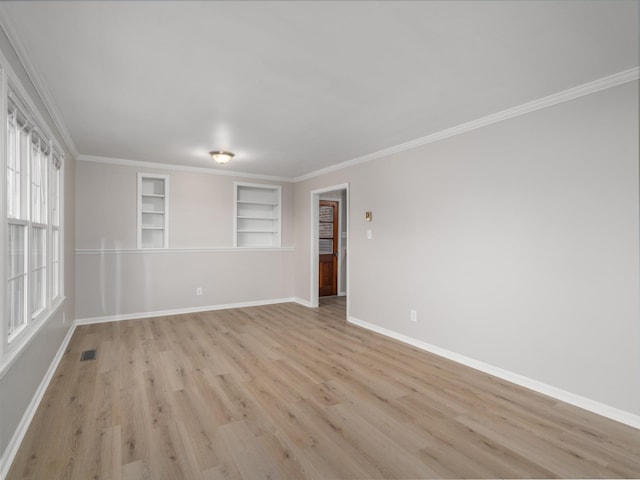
x=328, y=240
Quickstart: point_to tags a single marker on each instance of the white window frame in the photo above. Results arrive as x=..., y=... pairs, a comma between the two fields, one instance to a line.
x=39, y=159
x=56, y=277
x=12, y=345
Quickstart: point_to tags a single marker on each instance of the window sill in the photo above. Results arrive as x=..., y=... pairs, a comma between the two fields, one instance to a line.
x=21, y=340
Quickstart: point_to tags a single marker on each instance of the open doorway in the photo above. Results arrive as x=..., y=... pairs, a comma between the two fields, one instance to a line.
x=329, y=243
x=330, y=252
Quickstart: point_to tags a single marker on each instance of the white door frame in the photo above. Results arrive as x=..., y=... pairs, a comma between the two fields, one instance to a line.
x=341, y=287
x=315, y=244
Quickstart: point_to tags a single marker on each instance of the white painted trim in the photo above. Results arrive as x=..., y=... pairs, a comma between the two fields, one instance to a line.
x=599, y=408
x=180, y=168
x=560, y=97
x=548, y=101
x=20, y=343
x=164, y=251
x=303, y=302
x=181, y=311
x=4, y=245
x=315, y=247
x=13, y=445
x=36, y=79
x=11, y=82
x=341, y=242
x=235, y=215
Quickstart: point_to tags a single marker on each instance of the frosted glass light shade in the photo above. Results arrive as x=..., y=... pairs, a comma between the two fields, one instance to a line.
x=221, y=156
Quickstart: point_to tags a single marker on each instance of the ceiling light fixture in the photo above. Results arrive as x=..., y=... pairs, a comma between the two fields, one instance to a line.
x=221, y=156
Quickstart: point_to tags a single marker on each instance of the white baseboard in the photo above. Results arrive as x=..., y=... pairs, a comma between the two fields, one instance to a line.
x=303, y=302
x=608, y=411
x=179, y=311
x=23, y=426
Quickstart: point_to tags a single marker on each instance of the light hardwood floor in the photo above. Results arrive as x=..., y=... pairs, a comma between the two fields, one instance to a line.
x=283, y=391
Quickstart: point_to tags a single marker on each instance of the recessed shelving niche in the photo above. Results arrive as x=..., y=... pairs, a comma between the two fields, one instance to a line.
x=153, y=215
x=257, y=215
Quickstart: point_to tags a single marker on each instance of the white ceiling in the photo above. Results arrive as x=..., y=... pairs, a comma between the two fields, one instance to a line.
x=293, y=87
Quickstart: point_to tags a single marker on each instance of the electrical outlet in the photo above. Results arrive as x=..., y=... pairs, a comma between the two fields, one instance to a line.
x=199, y=291
x=413, y=316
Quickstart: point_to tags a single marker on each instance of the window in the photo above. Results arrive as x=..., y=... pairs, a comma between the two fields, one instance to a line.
x=39, y=202
x=33, y=221
x=17, y=279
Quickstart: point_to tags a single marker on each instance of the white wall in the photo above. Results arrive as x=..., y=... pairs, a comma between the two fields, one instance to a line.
x=20, y=381
x=115, y=279
x=517, y=244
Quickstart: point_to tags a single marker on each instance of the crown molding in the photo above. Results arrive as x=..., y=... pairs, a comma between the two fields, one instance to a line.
x=36, y=79
x=544, y=102
x=572, y=93
x=181, y=168
x=550, y=100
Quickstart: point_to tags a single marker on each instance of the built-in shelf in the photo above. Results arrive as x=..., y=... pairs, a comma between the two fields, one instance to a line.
x=241, y=217
x=257, y=203
x=257, y=215
x=153, y=195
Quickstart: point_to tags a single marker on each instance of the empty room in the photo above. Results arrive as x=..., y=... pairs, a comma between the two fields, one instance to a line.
x=319, y=239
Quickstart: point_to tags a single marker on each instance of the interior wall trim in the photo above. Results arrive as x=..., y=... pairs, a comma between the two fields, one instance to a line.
x=36, y=79
x=24, y=340
x=563, y=96
x=181, y=168
x=302, y=301
x=593, y=406
x=166, y=251
x=14, y=444
x=181, y=311
x=548, y=101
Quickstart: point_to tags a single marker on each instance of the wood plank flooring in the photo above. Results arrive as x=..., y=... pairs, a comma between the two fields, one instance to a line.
x=287, y=392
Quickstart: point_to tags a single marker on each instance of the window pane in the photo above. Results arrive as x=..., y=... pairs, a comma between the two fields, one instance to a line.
x=15, y=298
x=44, y=164
x=38, y=185
x=38, y=290
x=38, y=248
x=14, y=169
x=55, y=251
x=55, y=197
x=35, y=187
x=38, y=271
x=16, y=250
